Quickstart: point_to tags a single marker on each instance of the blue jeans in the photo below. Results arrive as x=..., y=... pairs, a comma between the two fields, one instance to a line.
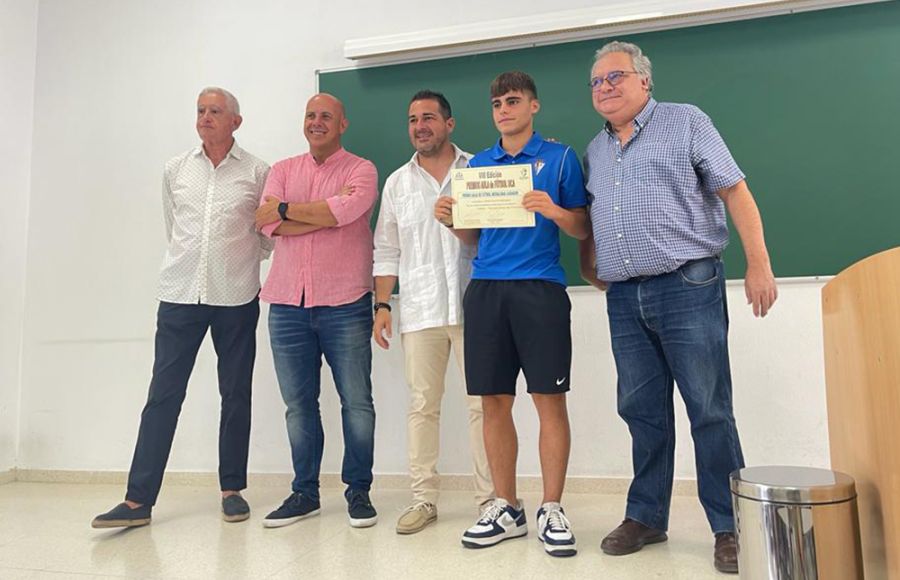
x=666, y=330
x=300, y=336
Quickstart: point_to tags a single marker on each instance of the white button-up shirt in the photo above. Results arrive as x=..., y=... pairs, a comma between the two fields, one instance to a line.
x=433, y=266
x=214, y=249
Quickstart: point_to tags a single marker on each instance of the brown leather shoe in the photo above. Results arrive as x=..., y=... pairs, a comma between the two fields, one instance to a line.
x=725, y=557
x=630, y=537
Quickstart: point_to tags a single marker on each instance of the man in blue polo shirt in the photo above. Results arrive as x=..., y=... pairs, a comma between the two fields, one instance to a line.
x=517, y=317
x=661, y=178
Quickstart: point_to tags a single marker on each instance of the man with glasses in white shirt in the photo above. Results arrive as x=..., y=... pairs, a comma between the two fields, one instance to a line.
x=433, y=268
x=209, y=281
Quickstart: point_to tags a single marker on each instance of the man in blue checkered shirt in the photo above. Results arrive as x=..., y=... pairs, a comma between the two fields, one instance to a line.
x=660, y=178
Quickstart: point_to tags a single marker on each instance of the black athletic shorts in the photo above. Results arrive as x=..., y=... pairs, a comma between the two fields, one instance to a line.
x=512, y=325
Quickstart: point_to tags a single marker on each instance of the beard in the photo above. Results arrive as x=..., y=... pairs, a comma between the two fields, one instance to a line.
x=429, y=149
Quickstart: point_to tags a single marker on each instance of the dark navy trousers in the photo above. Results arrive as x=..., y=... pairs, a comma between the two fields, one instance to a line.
x=180, y=329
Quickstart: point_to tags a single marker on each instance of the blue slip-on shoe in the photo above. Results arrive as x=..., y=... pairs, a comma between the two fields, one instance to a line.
x=235, y=508
x=123, y=516
x=296, y=507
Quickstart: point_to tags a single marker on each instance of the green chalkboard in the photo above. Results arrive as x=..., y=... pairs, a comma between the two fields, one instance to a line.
x=808, y=103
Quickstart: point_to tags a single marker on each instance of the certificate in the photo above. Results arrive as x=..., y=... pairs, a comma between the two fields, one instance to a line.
x=491, y=197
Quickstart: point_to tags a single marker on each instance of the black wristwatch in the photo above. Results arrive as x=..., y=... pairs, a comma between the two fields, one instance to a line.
x=379, y=305
x=282, y=210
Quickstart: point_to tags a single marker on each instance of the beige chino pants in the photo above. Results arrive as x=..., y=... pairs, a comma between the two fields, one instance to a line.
x=427, y=353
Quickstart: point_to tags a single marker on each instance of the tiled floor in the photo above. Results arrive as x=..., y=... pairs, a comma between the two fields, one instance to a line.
x=45, y=533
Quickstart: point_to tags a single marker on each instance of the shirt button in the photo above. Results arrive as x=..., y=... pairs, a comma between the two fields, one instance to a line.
x=619, y=236
x=618, y=159
x=615, y=208
x=618, y=183
x=627, y=261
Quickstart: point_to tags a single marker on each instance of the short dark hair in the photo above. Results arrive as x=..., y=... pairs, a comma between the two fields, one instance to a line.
x=513, y=81
x=427, y=95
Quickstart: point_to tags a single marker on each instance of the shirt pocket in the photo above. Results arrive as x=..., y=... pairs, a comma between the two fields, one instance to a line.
x=235, y=207
x=421, y=292
x=661, y=164
x=410, y=208
x=651, y=172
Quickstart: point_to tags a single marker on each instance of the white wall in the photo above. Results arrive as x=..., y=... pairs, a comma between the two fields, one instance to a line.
x=18, y=40
x=116, y=83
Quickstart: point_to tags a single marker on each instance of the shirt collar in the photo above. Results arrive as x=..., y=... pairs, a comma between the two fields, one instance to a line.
x=334, y=157
x=457, y=153
x=235, y=151
x=641, y=119
x=531, y=148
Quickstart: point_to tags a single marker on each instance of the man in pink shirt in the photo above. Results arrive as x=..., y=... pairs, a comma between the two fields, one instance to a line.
x=317, y=206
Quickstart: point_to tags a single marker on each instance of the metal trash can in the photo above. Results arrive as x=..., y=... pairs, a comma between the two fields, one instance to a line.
x=796, y=523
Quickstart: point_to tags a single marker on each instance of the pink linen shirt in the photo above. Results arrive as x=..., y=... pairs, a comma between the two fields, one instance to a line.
x=331, y=266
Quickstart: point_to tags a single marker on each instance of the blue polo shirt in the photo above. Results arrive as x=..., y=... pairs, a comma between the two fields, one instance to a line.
x=530, y=253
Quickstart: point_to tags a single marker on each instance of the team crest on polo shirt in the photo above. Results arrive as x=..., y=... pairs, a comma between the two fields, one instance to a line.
x=538, y=165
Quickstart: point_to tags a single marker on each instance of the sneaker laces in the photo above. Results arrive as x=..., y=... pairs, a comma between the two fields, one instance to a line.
x=557, y=520
x=359, y=497
x=293, y=500
x=491, y=512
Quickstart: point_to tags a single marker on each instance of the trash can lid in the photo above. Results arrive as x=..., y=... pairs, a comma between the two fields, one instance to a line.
x=792, y=485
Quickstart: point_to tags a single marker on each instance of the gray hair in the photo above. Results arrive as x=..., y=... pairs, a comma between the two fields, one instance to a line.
x=230, y=100
x=640, y=62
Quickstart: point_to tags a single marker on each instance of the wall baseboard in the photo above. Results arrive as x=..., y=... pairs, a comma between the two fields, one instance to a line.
x=386, y=481
x=8, y=476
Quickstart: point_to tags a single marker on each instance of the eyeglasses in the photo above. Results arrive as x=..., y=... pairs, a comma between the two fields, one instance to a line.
x=614, y=78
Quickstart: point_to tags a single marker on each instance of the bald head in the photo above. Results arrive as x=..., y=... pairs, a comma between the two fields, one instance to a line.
x=326, y=98
x=324, y=124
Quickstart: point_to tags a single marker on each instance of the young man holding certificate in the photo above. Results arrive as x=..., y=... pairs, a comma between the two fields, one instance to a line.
x=517, y=309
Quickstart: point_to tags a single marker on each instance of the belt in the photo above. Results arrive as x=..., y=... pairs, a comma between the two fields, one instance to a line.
x=685, y=265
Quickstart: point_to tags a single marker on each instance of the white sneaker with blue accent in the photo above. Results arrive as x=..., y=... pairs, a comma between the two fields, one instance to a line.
x=555, y=531
x=499, y=521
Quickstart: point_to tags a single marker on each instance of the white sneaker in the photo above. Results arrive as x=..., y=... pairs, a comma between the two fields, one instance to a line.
x=499, y=521
x=555, y=531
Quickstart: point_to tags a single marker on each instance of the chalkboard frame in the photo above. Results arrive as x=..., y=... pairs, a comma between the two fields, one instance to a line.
x=804, y=102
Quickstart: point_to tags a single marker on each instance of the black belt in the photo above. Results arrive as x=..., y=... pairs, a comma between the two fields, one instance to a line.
x=685, y=265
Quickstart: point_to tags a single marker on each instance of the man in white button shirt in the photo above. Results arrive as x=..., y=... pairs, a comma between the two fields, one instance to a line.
x=433, y=269
x=209, y=280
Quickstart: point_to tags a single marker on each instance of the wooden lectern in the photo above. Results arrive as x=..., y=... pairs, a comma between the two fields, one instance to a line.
x=861, y=318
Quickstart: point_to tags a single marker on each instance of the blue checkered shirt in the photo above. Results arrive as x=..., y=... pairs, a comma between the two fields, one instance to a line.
x=653, y=202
